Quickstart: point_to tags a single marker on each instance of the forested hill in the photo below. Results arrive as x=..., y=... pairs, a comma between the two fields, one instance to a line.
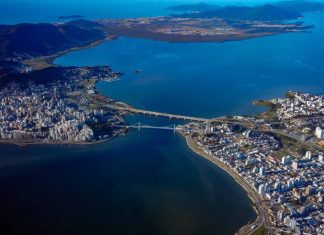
x=270, y=12
x=30, y=40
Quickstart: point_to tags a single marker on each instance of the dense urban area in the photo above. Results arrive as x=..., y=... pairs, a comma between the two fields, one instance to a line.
x=276, y=156
x=279, y=158
x=63, y=111
x=195, y=30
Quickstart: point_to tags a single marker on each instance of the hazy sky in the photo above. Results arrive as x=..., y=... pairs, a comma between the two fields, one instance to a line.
x=132, y=1
x=33, y=11
x=109, y=2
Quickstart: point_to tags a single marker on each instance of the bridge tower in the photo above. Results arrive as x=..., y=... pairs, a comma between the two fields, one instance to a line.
x=139, y=126
x=174, y=128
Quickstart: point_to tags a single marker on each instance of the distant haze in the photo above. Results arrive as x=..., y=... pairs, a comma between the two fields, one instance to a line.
x=35, y=11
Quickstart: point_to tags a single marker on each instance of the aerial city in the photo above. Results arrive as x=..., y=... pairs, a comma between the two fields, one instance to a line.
x=161, y=117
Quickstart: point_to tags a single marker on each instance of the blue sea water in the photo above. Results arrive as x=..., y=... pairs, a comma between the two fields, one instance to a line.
x=146, y=183
x=36, y=11
x=149, y=182
x=210, y=79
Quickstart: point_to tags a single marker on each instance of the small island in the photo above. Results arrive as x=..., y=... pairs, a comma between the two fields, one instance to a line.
x=70, y=17
x=276, y=156
x=21, y=51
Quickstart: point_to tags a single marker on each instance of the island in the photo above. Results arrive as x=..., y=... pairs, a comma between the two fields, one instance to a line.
x=20, y=50
x=26, y=60
x=276, y=156
x=70, y=17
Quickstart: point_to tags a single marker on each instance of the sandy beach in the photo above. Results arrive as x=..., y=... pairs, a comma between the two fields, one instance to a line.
x=258, y=202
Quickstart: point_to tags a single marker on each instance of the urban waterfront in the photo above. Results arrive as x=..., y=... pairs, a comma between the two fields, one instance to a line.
x=209, y=79
x=149, y=182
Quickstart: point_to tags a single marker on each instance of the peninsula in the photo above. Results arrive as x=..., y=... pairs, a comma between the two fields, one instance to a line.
x=276, y=156
x=209, y=24
x=70, y=17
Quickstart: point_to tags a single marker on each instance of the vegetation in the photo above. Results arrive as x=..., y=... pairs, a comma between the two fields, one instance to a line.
x=274, y=12
x=265, y=103
x=20, y=40
x=193, y=7
x=260, y=231
x=294, y=147
x=270, y=114
x=261, y=13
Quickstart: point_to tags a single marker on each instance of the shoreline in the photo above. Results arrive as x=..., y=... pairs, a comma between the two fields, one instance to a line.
x=47, y=61
x=180, y=39
x=258, y=203
x=44, y=62
x=30, y=143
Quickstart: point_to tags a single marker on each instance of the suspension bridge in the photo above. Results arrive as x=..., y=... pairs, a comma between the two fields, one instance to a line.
x=140, y=126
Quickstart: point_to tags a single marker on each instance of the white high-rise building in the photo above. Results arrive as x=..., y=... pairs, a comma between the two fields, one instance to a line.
x=319, y=132
x=308, y=155
x=262, y=171
x=293, y=224
x=286, y=160
x=295, y=165
x=321, y=158
x=287, y=220
x=262, y=190
x=281, y=215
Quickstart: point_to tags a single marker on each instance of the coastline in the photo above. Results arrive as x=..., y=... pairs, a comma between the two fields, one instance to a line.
x=253, y=222
x=29, y=143
x=197, y=39
x=44, y=62
x=258, y=203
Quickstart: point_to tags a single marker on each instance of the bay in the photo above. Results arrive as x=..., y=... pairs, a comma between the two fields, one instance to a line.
x=210, y=79
x=146, y=183
x=149, y=182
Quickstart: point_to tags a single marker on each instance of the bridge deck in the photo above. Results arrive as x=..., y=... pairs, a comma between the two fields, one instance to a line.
x=167, y=115
x=139, y=126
